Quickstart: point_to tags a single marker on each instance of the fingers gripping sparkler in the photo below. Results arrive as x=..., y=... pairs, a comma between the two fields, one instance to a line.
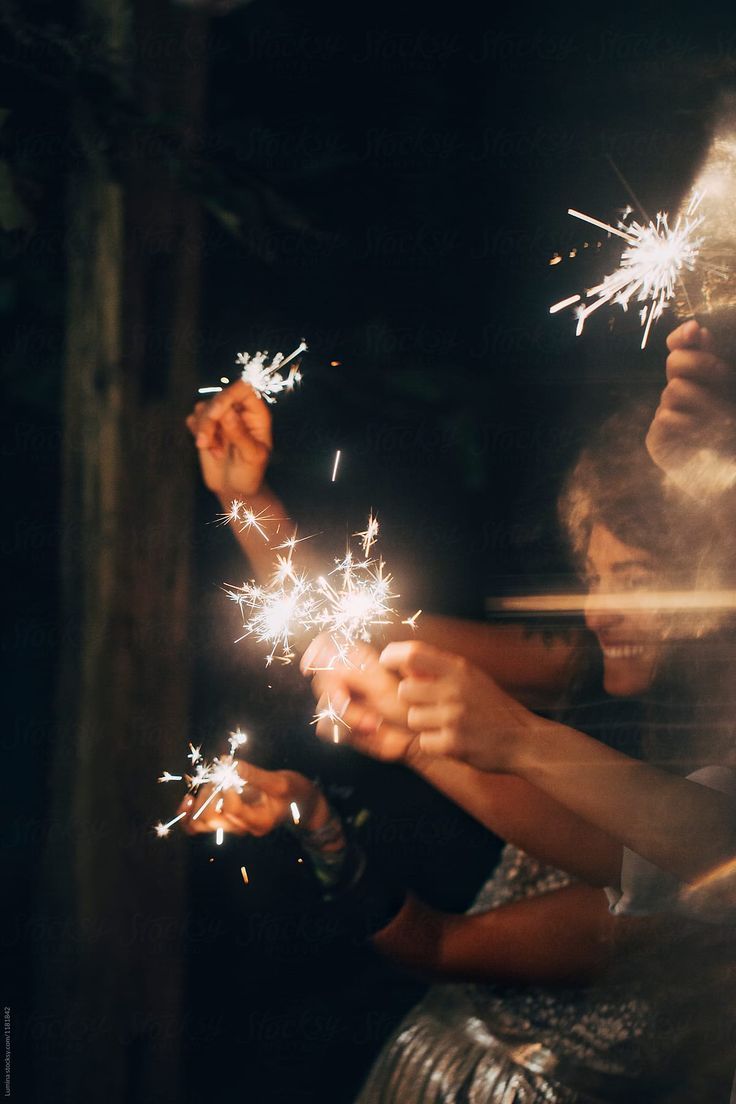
x=268, y=380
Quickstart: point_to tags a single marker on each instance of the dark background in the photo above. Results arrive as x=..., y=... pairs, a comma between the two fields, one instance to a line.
x=412, y=172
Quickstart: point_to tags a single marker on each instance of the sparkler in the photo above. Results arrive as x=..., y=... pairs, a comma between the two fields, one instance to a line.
x=268, y=380
x=652, y=264
x=221, y=773
x=348, y=602
x=277, y=611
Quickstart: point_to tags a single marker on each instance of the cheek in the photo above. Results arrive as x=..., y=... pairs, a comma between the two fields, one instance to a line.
x=649, y=628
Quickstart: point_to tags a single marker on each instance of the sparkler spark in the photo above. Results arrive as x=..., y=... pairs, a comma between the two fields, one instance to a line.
x=268, y=380
x=162, y=830
x=166, y=777
x=652, y=264
x=222, y=773
x=292, y=604
x=369, y=534
x=242, y=515
x=329, y=713
x=337, y=462
x=361, y=602
x=237, y=739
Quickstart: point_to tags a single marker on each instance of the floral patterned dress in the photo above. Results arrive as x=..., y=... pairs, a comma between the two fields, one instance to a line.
x=514, y=1044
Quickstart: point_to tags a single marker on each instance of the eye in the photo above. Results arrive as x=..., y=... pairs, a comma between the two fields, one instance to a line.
x=639, y=581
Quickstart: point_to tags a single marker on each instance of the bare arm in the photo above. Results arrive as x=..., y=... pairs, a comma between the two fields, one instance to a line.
x=536, y=670
x=456, y=710
x=683, y=827
x=374, y=722
x=564, y=936
x=523, y=814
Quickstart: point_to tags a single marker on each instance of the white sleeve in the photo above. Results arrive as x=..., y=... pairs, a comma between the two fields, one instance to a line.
x=646, y=889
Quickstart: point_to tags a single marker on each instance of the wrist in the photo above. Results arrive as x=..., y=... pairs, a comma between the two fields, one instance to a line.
x=528, y=750
x=254, y=499
x=319, y=815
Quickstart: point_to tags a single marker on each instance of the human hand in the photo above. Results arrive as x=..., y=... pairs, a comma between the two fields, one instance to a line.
x=455, y=709
x=357, y=701
x=232, y=433
x=693, y=434
x=264, y=804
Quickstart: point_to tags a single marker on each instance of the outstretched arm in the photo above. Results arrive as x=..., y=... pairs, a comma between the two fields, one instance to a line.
x=564, y=936
x=361, y=704
x=232, y=434
x=561, y=936
x=456, y=711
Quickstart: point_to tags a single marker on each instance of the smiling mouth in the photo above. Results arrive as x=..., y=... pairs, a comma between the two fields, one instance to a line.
x=622, y=651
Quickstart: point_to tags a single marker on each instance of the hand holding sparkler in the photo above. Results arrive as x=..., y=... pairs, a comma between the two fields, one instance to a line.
x=232, y=433
x=357, y=701
x=268, y=799
x=457, y=710
x=693, y=434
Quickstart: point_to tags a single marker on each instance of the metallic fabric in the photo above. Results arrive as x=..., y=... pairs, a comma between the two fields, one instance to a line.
x=473, y=1044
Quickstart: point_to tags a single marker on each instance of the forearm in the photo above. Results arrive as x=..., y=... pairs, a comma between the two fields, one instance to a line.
x=524, y=815
x=273, y=526
x=563, y=936
x=534, y=669
x=680, y=826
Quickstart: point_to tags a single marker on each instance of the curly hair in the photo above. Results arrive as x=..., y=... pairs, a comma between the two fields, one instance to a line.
x=691, y=706
x=615, y=483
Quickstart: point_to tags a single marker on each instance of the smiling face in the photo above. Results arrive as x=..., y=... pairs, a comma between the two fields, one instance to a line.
x=631, y=640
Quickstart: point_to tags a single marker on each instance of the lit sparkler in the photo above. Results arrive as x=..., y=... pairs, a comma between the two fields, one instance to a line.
x=360, y=603
x=275, y=613
x=652, y=264
x=222, y=774
x=269, y=380
x=347, y=602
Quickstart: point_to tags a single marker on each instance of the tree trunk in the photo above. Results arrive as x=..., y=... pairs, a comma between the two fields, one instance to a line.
x=113, y=1000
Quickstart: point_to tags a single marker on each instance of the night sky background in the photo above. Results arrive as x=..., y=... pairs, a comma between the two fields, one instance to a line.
x=412, y=167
